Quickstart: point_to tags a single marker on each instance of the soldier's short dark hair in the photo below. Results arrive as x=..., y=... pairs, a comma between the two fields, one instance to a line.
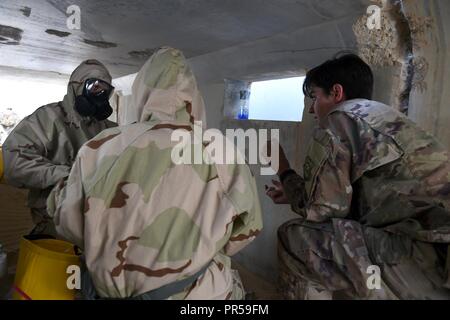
x=348, y=70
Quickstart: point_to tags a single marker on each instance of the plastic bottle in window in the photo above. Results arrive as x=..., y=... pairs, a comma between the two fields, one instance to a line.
x=243, y=104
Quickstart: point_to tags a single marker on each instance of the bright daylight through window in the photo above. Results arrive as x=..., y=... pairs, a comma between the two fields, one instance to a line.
x=277, y=100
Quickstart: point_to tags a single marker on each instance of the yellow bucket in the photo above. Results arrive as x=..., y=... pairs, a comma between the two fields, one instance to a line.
x=42, y=270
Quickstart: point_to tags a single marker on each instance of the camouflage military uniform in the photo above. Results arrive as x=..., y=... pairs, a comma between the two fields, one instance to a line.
x=375, y=192
x=145, y=222
x=41, y=149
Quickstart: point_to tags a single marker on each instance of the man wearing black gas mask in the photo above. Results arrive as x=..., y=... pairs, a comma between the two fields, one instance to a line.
x=94, y=102
x=40, y=151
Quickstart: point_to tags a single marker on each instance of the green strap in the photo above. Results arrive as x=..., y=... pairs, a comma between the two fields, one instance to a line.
x=161, y=293
x=170, y=289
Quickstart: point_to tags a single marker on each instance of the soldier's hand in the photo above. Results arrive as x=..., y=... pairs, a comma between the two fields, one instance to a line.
x=276, y=193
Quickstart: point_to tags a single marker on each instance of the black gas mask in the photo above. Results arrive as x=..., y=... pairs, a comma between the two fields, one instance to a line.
x=94, y=102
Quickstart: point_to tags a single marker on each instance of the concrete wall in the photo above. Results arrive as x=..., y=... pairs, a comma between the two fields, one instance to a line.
x=411, y=52
x=429, y=101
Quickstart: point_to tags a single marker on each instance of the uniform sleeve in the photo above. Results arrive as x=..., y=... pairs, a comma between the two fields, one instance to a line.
x=66, y=204
x=247, y=223
x=331, y=192
x=24, y=155
x=294, y=189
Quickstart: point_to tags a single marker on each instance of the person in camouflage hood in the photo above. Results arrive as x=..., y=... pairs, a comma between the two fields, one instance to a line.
x=374, y=198
x=41, y=149
x=150, y=228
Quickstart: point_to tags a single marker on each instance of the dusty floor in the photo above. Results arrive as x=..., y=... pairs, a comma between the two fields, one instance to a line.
x=15, y=217
x=15, y=221
x=255, y=286
x=6, y=283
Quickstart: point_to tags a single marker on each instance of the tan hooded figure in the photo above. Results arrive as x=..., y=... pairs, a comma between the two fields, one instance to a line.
x=40, y=151
x=152, y=228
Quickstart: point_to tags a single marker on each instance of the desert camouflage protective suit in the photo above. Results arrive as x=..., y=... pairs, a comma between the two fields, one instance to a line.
x=376, y=191
x=42, y=148
x=144, y=221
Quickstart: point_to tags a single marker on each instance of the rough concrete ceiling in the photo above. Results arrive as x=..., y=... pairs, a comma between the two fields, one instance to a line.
x=34, y=34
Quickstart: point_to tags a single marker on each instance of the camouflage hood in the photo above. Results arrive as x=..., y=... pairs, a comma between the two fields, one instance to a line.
x=165, y=89
x=144, y=220
x=87, y=69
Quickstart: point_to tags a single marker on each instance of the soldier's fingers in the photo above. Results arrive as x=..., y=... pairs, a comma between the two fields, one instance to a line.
x=277, y=183
x=279, y=199
x=274, y=194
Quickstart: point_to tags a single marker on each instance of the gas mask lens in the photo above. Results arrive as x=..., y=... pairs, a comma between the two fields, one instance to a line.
x=97, y=88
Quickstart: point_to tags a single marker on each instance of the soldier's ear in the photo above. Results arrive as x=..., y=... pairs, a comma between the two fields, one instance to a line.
x=338, y=93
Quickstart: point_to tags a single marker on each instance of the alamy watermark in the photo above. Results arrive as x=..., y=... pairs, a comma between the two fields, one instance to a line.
x=73, y=281
x=211, y=146
x=374, y=280
x=375, y=18
x=73, y=21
